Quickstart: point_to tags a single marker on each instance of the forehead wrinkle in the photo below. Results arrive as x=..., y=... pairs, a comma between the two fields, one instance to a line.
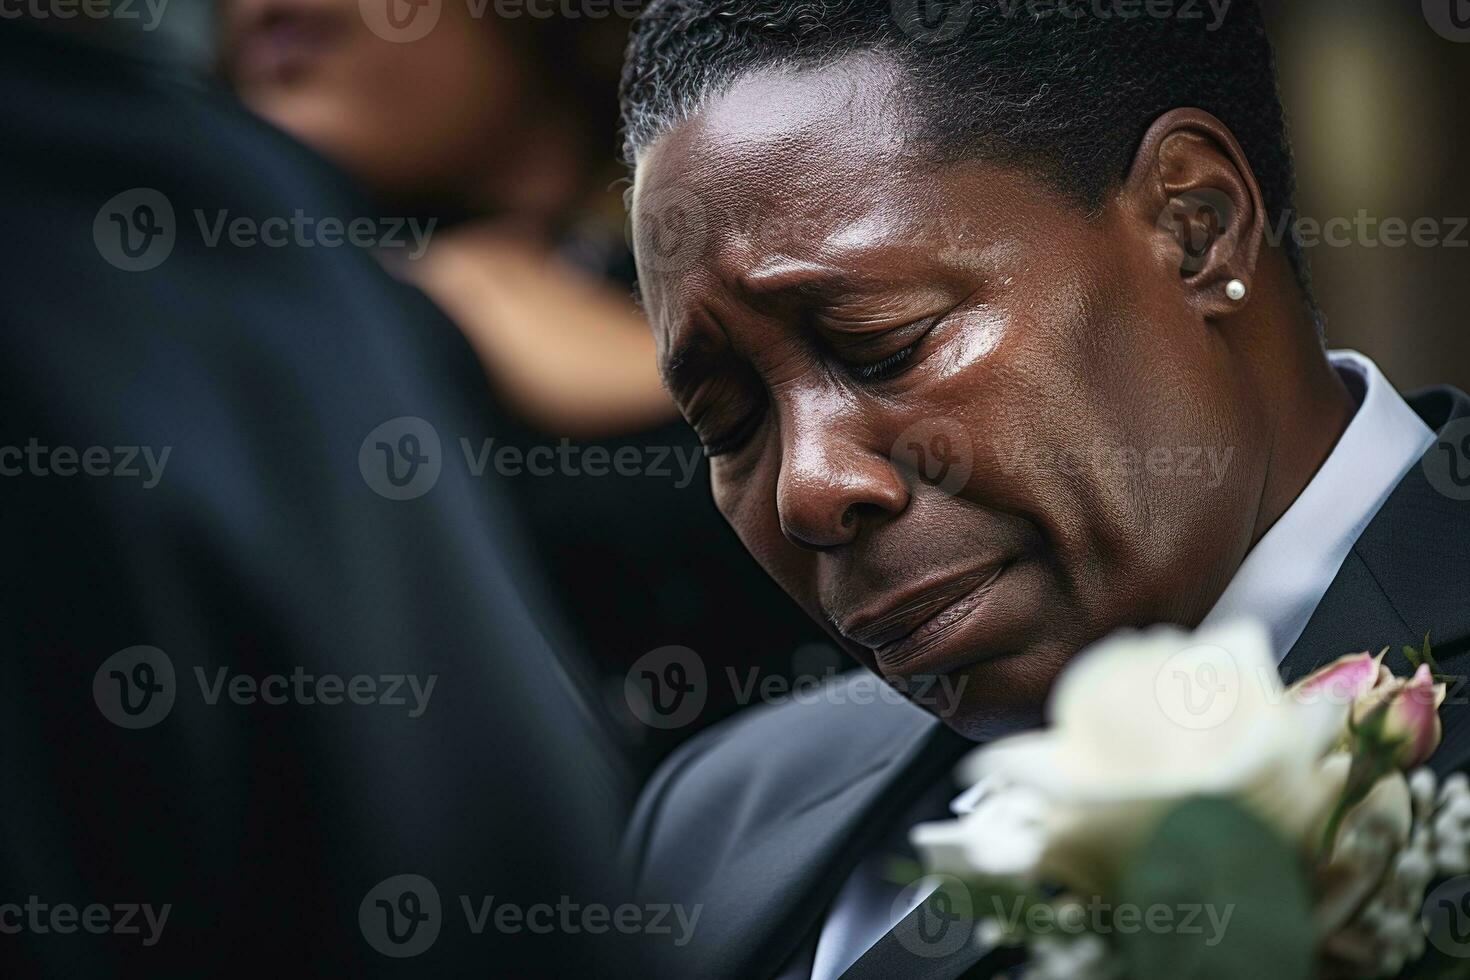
x=815, y=239
x=821, y=251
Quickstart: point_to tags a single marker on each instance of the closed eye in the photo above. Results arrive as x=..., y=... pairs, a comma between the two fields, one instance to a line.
x=886, y=368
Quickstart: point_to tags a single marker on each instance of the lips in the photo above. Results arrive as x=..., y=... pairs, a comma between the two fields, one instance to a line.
x=902, y=627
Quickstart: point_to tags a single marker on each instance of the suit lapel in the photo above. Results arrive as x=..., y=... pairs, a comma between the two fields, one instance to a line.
x=1408, y=574
x=764, y=852
x=922, y=947
x=816, y=849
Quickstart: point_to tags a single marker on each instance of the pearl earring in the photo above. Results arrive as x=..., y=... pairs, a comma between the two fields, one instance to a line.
x=1235, y=289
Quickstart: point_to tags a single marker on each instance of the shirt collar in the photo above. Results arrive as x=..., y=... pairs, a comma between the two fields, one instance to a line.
x=1285, y=575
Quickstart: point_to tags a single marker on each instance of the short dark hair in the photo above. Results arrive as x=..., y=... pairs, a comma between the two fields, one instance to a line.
x=1066, y=86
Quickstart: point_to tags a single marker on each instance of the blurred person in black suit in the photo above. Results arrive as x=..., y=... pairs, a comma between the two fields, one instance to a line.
x=274, y=697
x=502, y=128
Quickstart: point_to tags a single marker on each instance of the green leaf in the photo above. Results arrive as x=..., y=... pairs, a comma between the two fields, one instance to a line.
x=902, y=871
x=1227, y=895
x=1429, y=656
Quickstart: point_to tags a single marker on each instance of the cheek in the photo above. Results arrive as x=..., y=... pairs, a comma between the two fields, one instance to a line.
x=1032, y=392
x=744, y=492
x=746, y=499
x=1001, y=396
x=1099, y=423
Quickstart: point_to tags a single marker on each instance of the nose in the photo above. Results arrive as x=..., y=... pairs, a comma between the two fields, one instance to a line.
x=831, y=484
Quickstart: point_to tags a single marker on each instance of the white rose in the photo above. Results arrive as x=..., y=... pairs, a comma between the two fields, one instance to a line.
x=1002, y=837
x=1140, y=722
x=1370, y=838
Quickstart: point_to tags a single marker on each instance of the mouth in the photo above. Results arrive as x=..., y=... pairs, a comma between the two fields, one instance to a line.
x=913, y=631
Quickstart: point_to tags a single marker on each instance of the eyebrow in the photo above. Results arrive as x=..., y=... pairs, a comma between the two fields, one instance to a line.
x=804, y=279
x=694, y=358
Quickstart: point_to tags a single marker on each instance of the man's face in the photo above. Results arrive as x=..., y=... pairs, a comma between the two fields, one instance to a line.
x=969, y=427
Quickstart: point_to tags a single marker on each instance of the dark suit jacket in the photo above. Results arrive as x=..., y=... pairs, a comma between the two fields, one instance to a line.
x=262, y=551
x=763, y=819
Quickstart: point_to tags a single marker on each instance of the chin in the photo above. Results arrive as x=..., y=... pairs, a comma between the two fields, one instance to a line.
x=986, y=666
x=998, y=696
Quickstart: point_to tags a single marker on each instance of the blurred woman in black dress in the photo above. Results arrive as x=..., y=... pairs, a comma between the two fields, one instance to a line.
x=503, y=129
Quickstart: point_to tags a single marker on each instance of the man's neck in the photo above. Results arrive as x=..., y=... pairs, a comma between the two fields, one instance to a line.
x=1311, y=408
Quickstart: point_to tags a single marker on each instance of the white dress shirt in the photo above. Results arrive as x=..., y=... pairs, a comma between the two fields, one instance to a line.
x=1286, y=574
x=1280, y=583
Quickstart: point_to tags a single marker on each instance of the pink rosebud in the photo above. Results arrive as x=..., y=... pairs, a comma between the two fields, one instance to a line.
x=1412, y=718
x=1344, y=681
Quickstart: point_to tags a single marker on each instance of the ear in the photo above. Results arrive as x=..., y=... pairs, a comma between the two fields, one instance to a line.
x=1191, y=182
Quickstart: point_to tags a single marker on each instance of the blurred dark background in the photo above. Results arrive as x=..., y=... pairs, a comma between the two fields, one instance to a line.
x=500, y=123
x=1376, y=101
